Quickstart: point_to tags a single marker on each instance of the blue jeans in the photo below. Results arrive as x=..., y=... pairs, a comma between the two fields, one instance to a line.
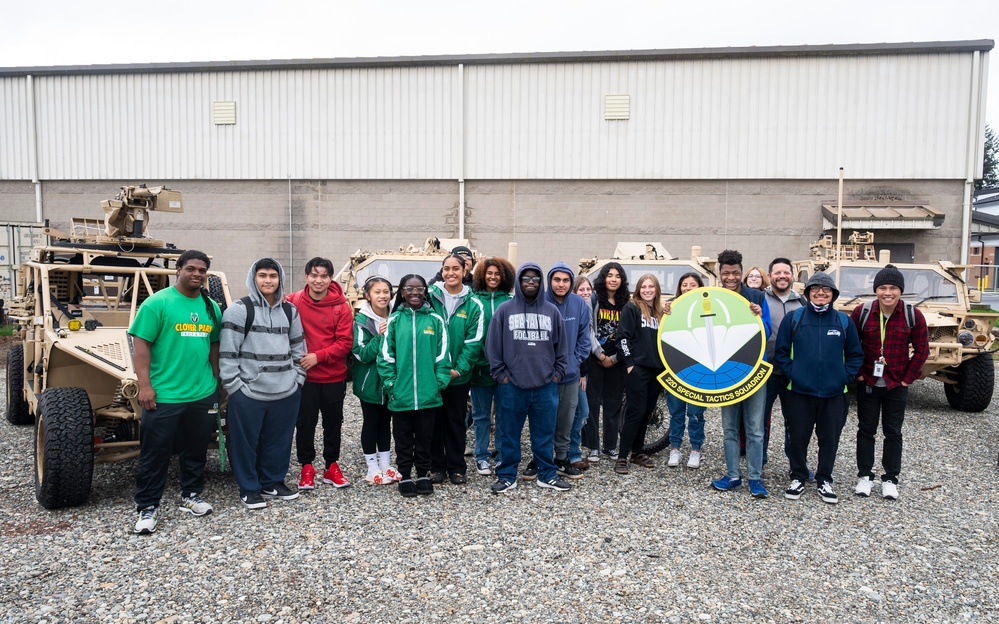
x=751, y=410
x=682, y=413
x=260, y=434
x=576, y=435
x=482, y=405
x=513, y=406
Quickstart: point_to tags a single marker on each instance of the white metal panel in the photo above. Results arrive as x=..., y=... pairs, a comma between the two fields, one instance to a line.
x=14, y=163
x=886, y=116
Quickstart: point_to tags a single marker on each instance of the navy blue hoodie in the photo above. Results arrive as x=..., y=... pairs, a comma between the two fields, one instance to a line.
x=576, y=316
x=526, y=342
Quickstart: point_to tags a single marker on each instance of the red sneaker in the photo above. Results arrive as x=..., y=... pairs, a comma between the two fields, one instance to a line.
x=308, y=479
x=334, y=477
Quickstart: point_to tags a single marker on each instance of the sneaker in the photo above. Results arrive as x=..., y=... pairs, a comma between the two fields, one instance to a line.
x=621, y=466
x=610, y=454
x=757, y=490
x=378, y=478
x=811, y=476
x=482, y=467
x=582, y=464
x=437, y=477
x=726, y=483
x=457, y=478
x=863, y=487
x=827, y=494
x=594, y=456
x=279, y=490
x=334, y=477
x=567, y=470
x=253, y=501
x=194, y=505
x=392, y=474
x=674, y=458
x=407, y=488
x=307, y=481
x=558, y=484
x=531, y=472
x=694, y=461
x=502, y=486
x=424, y=487
x=795, y=490
x=146, y=522
x=889, y=490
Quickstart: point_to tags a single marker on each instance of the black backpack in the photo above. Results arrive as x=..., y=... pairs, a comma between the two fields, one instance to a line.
x=248, y=323
x=865, y=312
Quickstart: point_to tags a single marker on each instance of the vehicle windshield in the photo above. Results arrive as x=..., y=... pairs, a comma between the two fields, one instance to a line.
x=920, y=284
x=393, y=269
x=668, y=275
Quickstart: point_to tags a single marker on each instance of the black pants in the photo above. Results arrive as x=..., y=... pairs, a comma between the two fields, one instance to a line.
x=188, y=425
x=888, y=406
x=604, y=386
x=447, y=451
x=413, y=432
x=328, y=399
x=826, y=417
x=376, y=428
x=643, y=392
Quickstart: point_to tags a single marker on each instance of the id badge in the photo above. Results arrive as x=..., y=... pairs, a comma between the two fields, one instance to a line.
x=879, y=368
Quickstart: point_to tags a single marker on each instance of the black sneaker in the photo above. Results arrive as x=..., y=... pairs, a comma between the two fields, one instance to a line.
x=424, y=486
x=279, y=490
x=437, y=477
x=407, y=488
x=253, y=501
x=558, y=484
x=794, y=491
x=565, y=469
x=458, y=478
x=826, y=493
x=502, y=486
x=531, y=472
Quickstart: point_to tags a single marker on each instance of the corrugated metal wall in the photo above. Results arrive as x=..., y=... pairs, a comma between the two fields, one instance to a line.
x=879, y=116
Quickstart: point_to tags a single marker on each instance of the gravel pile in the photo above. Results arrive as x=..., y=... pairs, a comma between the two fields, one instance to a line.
x=655, y=546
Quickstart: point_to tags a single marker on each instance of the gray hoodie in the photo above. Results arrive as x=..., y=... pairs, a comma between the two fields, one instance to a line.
x=265, y=363
x=778, y=310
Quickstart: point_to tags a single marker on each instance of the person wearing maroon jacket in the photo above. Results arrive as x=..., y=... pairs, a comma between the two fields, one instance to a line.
x=328, y=323
x=885, y=377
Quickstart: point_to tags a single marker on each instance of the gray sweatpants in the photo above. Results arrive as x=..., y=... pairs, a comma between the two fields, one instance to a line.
x=568, y=398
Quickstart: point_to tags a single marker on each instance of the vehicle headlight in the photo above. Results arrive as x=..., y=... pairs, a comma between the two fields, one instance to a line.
x=969, y=324
x=965, y=338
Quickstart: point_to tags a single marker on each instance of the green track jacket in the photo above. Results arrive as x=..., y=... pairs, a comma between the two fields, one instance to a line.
x=414, y=363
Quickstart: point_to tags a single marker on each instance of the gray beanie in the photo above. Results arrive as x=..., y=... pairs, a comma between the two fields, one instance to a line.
x=822, y=279
x=889, y=276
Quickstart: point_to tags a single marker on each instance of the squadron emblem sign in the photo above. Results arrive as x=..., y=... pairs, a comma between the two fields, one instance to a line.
x=712, y=346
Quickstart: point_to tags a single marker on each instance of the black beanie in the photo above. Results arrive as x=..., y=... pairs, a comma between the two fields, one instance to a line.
x=889, y=276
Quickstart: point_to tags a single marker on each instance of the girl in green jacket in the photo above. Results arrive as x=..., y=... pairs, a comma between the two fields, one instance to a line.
x=491, y=283
x=415, y=366
x=376, y=427
x=452, y=299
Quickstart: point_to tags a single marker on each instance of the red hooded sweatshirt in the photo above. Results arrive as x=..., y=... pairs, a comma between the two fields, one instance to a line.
x=328, y=326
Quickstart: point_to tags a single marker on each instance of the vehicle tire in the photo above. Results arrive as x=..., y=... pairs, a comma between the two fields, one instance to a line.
x=17, y=407
x=216, y=292
x=64, y=448
x=975, y=382
x=657, y=435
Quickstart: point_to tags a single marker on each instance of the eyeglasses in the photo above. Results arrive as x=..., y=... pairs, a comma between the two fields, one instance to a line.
x=417, y=290
x=530, y=280
x=825, y=290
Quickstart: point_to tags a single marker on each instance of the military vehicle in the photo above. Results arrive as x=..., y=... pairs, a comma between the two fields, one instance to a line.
x=638, y=259
x=961, y=340
x=71, y=374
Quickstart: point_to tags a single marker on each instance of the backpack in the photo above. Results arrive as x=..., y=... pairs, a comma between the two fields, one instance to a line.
x=248, y=304
x=796, y=320
x=865, y=312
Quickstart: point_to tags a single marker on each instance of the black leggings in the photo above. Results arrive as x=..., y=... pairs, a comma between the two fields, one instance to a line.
x=376, y=428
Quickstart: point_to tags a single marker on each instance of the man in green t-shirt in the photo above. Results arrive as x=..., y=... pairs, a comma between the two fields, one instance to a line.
x=175, y=340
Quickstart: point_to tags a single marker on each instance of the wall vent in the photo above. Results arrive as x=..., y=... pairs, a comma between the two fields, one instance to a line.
x=224, y=113
x=617, y=107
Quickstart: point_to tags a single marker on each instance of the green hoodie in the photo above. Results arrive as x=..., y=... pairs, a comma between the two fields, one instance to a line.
x=367, y=384
x=414, y=362
x=490, y=301
x=465, y=330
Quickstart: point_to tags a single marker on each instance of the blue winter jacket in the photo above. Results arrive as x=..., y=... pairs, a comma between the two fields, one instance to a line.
x=576, y=316
x=526, y=343
x=824, y=357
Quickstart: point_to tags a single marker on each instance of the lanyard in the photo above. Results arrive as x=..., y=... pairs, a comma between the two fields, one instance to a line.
x=883, y=324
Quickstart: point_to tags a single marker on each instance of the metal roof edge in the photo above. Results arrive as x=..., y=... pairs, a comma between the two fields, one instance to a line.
x=978, y=45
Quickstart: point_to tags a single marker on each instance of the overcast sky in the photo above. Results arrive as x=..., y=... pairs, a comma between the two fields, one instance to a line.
x=71, y=32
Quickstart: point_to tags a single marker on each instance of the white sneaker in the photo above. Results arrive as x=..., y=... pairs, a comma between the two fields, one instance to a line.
x=194, y=505
x=889, y=490
x=695, y=460
x=482, y=467
x=863, y=487
x=674, y=458
x=146, y=523
x=594, y=456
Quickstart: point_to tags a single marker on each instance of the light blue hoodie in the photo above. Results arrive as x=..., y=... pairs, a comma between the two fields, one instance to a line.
x=576, y=316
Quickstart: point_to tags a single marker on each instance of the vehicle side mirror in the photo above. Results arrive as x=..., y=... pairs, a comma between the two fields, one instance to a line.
x=975, y=296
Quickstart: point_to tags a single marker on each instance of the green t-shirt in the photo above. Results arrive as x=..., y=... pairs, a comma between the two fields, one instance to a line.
x=180, y=332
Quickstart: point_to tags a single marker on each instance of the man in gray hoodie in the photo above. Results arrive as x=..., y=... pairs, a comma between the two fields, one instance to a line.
x=260, y=357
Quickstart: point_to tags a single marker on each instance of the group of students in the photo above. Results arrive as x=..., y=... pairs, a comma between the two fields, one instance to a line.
x=552, y=350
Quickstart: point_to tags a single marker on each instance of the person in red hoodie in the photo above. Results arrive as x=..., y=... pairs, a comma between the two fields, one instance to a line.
x=328, y=321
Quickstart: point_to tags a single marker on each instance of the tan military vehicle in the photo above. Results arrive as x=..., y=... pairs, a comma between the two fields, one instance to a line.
x=638, y=259
x=71, y=374
x=961, y=341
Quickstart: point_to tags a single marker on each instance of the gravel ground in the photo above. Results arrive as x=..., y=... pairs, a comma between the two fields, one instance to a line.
x=656, y=546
